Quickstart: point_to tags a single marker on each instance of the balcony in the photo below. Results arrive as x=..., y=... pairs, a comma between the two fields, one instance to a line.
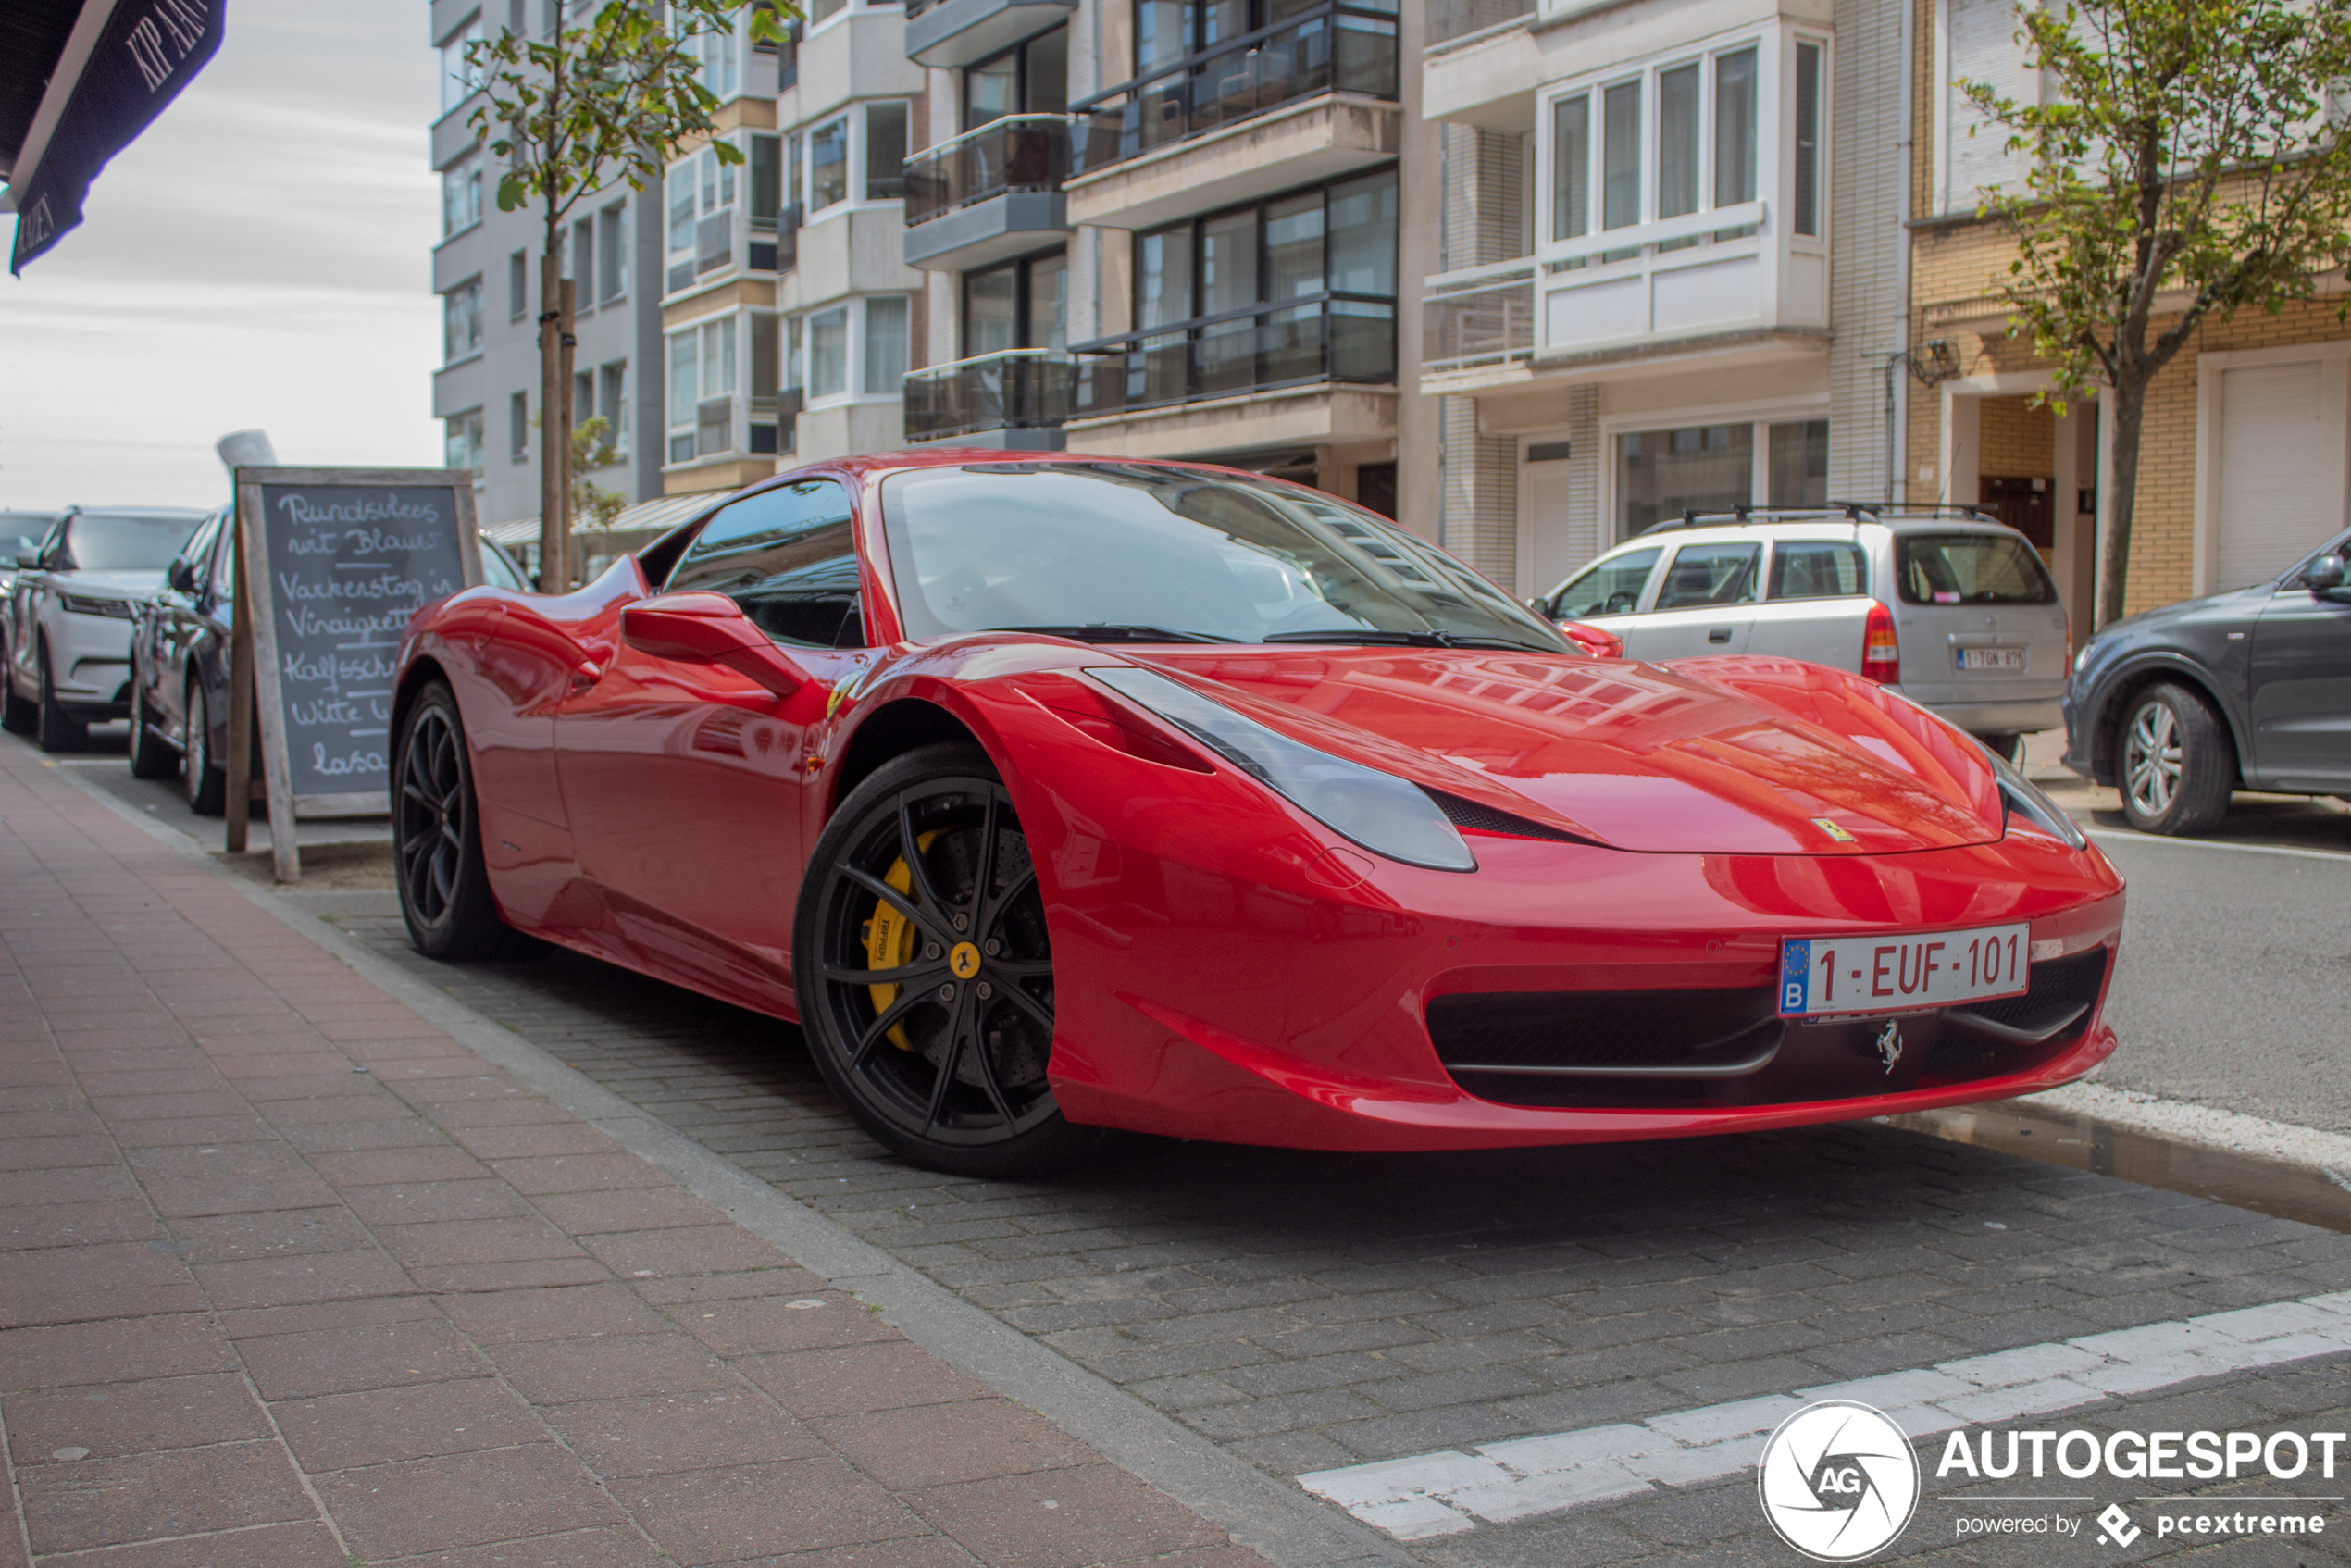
x=1480, y=67
x=988, y=195
x=1323, y=337
x=1480, y=315
x=1310, y=98
x=1019, y=396
x=956, y=32
x=1708, y=273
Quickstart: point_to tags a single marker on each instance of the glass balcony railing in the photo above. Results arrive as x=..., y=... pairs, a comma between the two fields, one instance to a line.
x=1323, y=337
x=1448, y=19
x=1478, y=315
x=1011, y=390
x=1343, y=48
x=1017, y=152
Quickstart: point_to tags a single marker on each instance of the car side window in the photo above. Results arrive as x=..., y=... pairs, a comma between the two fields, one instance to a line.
x=224, y=556
x=197, y=553
x=1705, y=575
x=788, y=557
x=1605, y=588
x=56, y=554
x=1817, y=569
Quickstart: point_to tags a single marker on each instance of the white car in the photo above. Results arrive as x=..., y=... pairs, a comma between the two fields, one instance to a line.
x=1943, y=605
x=68, y=632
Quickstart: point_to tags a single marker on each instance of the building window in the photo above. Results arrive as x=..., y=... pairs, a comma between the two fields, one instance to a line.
x=1682, y=138
x=611, y=251
x=858, y=348
x=459, y=79
x=613, y=402
x=518, y=285
x=885, y=151
x=460, y=195
x=1022, y=303
x=828, y=164
x=702, y=218
x=518, y=427
x=1807, y=141
x=1662, y=474
x=461, y=441
x=1031, y=78
x=461, y=321
x=828, y=352
x=583, y=259
x=721, y=72
x=701, y=390
x=885, y=354
x=583, y=397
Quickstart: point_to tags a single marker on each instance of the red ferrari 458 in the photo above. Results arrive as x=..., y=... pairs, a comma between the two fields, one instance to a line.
x=1057, y=795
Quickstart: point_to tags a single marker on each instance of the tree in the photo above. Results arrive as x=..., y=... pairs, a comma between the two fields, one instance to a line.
x=593, y=506
x=607, y=100
x=2185, y=157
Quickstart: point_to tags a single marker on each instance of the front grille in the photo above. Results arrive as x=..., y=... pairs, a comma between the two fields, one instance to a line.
x=2060, y=987
x=1599, y=1032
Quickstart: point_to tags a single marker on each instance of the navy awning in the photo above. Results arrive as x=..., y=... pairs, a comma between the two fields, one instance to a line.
x=78, y=80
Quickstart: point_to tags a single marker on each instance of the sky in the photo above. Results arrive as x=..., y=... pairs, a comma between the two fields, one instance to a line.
x=261, y=257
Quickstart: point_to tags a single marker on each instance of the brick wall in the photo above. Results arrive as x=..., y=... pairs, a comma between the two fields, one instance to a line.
x=2017, y=440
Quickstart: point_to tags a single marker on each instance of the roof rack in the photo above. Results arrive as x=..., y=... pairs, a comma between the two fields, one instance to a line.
x=1917, y=508
x=1740, y=517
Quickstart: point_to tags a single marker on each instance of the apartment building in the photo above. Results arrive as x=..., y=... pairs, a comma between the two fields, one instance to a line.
x=2246, y=452
x=1176, y=228
x=787, y=309
x=486, y=270
x=1673, y=274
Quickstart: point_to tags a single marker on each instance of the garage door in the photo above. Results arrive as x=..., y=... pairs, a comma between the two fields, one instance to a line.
x=2281, y=478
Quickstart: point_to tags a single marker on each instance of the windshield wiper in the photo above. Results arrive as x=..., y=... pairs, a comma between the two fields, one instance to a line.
x=1374, y=637
x=1101, y=631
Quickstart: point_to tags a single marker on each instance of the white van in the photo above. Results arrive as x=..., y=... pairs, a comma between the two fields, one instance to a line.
x=1948, y=606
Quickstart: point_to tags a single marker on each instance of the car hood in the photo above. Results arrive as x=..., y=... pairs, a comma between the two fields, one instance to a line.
x=1726, y=756
x=109, y=585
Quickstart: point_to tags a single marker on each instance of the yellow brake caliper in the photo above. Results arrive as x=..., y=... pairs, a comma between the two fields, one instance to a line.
x=891, y=937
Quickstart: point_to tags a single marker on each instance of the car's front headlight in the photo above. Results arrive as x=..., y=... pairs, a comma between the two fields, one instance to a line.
x=1377, y=810
x=88, y=605
x=2023, y=798
x=2083, y=657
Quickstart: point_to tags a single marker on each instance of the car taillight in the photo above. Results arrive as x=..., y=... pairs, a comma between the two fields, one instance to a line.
x=1880, y=654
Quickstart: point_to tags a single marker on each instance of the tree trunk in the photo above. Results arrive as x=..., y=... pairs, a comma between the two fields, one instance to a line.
x=555, y=448
x=2114, y=556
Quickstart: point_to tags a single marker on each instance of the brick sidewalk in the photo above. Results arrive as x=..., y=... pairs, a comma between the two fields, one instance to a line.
x=290, y=1277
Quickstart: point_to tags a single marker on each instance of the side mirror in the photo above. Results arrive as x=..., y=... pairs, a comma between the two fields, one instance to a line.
x=180, y=575
x=28, y=563
x=1597, y=643
x=709, y=628
x=2324, y=576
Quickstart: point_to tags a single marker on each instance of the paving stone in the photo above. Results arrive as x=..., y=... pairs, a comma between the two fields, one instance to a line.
x=859, y=1378
x=672, y=1432
x=1099, y=1514
x=937, y=1445
x=433, y=1504
x=132, y=1417
x=335, y=1361
x=384, y=1426
x=268, y=1546
x=568, y=1370
x=733, y=1513
x=94, y=1502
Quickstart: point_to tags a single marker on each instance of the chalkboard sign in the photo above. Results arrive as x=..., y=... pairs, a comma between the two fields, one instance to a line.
x=338, y=560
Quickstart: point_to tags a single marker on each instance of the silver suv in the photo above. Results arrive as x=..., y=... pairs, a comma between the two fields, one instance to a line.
x=1948, y=606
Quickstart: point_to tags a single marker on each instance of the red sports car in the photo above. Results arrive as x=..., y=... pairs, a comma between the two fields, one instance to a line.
x=1056, y=795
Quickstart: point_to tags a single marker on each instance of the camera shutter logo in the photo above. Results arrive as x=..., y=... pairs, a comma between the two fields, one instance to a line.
x=1838, y=1481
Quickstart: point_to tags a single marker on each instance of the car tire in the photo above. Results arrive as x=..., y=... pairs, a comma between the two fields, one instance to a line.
x=924, y=873
x=18, y=717
x=2175, y=764
x=58, y=731
x=204, y=782
x=150, y=755
x=436, y=837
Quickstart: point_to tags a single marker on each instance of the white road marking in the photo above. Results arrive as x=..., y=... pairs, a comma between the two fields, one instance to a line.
x=2181, y=1121
x=2120, y=836
x=1447, y=1493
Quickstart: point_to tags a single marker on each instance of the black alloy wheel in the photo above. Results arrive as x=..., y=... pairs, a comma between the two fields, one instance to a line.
x=150, y=754
x=2177, y=765
x=202, y=781
x=59, y=731
x=925, y=971
x=445, y=887
x=17, y=715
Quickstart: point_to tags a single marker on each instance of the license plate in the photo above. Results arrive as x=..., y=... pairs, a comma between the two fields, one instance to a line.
x=1829, y=977
x=1992, y=658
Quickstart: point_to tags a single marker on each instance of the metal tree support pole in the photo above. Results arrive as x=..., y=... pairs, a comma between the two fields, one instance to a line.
x=566, y=320
x=554, y=574
x=241, y=679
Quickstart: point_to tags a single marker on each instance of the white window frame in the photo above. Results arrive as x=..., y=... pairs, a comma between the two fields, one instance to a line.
x=1948, y=101
x=799, y=173
x=792, y=351
x=465, y=175
x=845, y=8
x=1759, y=413
x=470, y=422
x=450, y=353
x=456, y=85
x=1775, y=147
x=726, y=327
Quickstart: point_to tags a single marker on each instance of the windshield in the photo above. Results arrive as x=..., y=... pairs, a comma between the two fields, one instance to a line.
x=122, y=542
x=1074, y=546
x=1606, y=588
x=1970, y=569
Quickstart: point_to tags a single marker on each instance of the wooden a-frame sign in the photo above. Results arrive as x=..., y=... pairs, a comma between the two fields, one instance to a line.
x=330, y=563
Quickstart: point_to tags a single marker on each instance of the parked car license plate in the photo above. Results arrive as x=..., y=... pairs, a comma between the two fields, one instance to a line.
x=1992, y=658
x=1827, y=976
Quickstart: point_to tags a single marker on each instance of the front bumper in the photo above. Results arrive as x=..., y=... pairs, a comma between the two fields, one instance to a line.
x=90, y=662
x=2001, y=719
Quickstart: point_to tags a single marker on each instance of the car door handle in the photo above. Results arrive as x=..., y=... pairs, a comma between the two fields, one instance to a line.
x=1720, y=634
